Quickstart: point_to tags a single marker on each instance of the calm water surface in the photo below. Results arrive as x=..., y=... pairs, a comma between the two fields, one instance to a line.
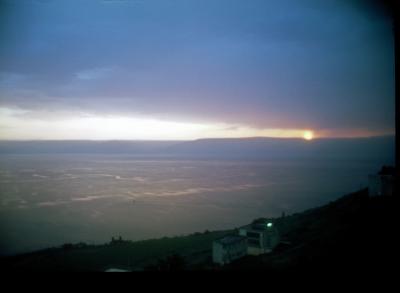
x=48, y=200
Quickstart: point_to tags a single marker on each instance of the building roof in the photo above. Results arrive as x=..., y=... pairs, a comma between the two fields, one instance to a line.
x=258, y=225
x=230, y=239
x=115, y=270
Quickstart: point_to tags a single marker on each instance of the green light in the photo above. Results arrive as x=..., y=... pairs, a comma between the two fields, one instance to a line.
x=269, y=225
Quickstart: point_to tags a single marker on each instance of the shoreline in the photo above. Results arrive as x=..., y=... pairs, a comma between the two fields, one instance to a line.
x=332, y=225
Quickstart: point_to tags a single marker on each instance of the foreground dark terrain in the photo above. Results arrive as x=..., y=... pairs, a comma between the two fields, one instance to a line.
x=351, y=235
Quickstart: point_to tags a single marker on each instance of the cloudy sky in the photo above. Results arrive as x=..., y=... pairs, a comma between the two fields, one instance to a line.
x=185, y=69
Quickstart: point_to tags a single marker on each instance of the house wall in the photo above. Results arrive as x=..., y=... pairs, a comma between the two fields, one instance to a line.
x=271, y=239
x=217, y=253
x=242, y=232
x=224, y=254
x=252, y=250
x=267, y=241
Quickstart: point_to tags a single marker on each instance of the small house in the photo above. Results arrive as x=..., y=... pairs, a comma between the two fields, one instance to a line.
x=262, y=237
x=229, y=248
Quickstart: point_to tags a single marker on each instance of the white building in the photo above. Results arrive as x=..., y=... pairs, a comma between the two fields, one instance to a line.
x=229, y=248
x=381, y=183
x=262, y=237
x=116, y=270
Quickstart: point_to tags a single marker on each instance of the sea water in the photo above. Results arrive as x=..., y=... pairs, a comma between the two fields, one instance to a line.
x=48, y=200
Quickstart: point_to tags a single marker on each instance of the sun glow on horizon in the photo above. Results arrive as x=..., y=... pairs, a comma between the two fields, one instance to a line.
x=20, y=124
x=26, y=125
x=308, y=135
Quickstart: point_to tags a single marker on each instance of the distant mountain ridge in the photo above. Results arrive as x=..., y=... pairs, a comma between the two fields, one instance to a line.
x=82, y=146
x=374, y=147
x=288, y=146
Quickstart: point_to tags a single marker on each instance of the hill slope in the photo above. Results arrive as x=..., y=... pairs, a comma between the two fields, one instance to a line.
x=354, y=233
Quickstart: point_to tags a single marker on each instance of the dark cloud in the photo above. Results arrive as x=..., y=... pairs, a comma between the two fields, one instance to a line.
x=320, y=64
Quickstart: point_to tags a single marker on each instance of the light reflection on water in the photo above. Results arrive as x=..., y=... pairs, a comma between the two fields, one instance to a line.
x=52, y=199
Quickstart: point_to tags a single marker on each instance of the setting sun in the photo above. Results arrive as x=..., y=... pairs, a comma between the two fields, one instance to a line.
x=308, y=135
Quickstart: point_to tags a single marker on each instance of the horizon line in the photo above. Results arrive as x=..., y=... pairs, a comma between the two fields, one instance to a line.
x=197, y=139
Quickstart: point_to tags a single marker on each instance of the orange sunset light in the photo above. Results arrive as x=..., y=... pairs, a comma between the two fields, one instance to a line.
x=308, y=135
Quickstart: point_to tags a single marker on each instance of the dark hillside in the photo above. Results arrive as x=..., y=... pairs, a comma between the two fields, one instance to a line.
x=353, y=234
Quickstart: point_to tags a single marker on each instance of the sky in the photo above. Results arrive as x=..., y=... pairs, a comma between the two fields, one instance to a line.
x=187, y=69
